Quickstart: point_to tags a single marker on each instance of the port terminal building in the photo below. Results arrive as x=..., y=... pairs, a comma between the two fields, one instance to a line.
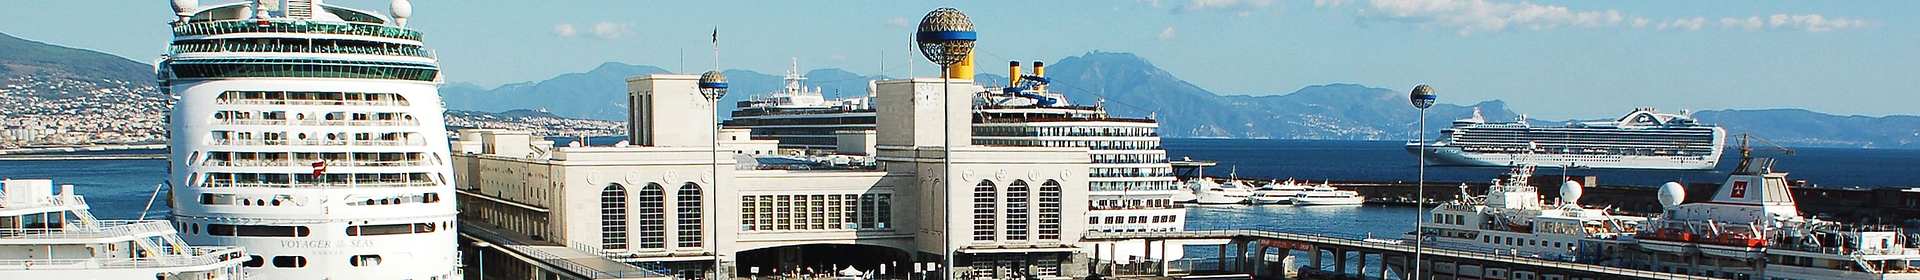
x=674, y=202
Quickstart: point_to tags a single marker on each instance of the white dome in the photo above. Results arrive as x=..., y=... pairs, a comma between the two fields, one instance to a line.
x=401, y=9
x=185, y=7
x=1570, y=192
x=1671, y=194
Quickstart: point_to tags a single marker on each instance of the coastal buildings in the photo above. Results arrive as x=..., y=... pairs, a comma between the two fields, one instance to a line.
x=311, y=135
x=645, y=206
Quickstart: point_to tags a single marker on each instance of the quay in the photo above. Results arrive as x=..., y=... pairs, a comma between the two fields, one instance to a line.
x=1248, y=252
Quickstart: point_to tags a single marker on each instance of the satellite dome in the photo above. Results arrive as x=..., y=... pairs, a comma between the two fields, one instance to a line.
x=1570, y=192
x=1671, y=194
x=401, y=9
x=185, y=8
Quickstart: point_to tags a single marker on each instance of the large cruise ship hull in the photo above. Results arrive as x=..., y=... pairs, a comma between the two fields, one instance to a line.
x=1454, y=156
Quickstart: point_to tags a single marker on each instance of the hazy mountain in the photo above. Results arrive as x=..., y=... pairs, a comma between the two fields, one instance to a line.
x=1799, y=127
x=601, y=93
x=52, y=64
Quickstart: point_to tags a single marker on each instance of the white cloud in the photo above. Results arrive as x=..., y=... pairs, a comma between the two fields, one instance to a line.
x=1167, y=34
x=1329, y=3
x=1475, y=16
x=900, y=22
x=611, y=30
x=1237, y=7
x=565, y=30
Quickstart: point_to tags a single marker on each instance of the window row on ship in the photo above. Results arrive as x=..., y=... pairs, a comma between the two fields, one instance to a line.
x=1069, y=131
x=1090, y=144
x=281, y=138
x=292, y=45
x=311, y=98
x=336, y=118
x=300, y=68
x=326, y=180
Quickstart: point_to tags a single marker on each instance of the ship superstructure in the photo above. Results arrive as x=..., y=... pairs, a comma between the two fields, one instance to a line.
x=44, y=235
x=1512, y=219
x=800, y=117
x=312, y=135
x=1643, y=139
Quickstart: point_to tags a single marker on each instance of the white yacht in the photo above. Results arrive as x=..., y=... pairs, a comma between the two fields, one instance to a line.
x=1323, y=194
x=1278, y=192
x=312, y=135
x=1232, y=192
x=44, y=235
x=1511, y=219
x=1643, y=139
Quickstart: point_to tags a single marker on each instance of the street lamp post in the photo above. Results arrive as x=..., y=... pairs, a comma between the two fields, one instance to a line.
x=480, y=251
x=1422, y=98
x=713, y=85
x=946, y=37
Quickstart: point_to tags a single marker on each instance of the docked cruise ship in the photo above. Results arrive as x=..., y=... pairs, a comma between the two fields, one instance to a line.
x=311, y=135
x=1643, y=139
x=1132, y=186
x=47, y=235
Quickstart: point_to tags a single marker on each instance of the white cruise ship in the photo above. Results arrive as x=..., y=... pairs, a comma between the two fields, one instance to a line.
x=1643, y=139
x=44, y=235
x=800, y=117
x=311, y=135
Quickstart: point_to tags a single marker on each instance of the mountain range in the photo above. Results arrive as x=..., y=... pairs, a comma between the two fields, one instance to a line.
x=1128, y=85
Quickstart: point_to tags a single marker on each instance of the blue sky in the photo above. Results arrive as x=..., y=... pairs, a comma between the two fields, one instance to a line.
x=1551, y=59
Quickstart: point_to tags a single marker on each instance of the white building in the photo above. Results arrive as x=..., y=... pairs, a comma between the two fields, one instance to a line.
x=1010, y=211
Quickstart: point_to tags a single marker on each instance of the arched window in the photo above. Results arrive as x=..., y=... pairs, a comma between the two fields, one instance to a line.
x=613, y=217
x=652, y=206
x=984, y=199
x=1017, y=210
x=1050, y=210
x=689, y=202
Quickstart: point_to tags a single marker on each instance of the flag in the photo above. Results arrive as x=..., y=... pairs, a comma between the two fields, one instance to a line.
x=319, y=168
x=716, y=36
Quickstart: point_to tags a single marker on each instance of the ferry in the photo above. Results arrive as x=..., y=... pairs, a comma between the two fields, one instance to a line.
x=47, y=235
x=1751, y=228
x=1327, y=195
x=1277, y=192
x=1511, y=219
x=1232, y=192
x=1643, y=139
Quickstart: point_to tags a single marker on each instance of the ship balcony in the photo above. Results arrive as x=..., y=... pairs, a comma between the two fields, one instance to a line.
x=293, y=26
x=413, y=51
x=310, y=102
x=320, y=122
x=285, y=142
x=329, y=163
x=321, y=184
x=199, y=259
x=71, y=233
x=1128, y=174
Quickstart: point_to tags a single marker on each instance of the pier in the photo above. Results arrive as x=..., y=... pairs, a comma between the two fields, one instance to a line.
x=1247, y=252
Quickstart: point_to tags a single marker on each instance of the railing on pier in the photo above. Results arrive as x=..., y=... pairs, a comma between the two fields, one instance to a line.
x=1402, y=247
x=199, y=257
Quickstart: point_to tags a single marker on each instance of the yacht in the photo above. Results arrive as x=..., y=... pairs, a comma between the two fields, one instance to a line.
x=47, y=235
x=1323, y=194
x=1643, y=139
x=311, y=134
x=1232, y=192
x=1277, y=192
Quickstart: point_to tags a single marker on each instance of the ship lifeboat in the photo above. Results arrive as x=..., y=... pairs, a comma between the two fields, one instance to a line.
x=1733, y=245
x=1669, y=240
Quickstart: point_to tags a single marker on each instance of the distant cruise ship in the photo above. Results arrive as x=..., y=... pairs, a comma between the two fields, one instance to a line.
x=1643, y=139
x=1132, y=184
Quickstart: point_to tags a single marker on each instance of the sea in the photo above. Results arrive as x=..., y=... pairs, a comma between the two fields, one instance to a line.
x=122, y=189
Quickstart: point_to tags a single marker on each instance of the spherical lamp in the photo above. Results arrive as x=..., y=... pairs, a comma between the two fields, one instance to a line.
x=945, y=36
x=1422, y=97
x=713, y=85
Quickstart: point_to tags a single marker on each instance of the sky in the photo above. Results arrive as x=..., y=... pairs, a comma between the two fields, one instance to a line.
x=1549, y=59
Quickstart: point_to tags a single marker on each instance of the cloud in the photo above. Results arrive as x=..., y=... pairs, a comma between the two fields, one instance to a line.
x=1329, y=3
x=900, y=22
x=611, y=30
x=565, y=30
x=1467, y=17
x=1167, y=34
x=1237, y=7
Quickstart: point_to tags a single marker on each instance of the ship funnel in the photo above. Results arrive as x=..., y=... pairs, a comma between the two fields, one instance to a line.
x=1013, y=73
x=963, y=69
x=1040, y=70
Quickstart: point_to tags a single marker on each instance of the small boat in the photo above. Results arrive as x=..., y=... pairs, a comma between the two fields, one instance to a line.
x=1233, y=192
x=1277, y=192
x=1327, y=195
x=1187, y=194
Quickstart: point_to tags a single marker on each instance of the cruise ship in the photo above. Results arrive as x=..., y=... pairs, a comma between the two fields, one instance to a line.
x=311, y=135
x=1643, y=139
x=1132, y=186
x=47, y=235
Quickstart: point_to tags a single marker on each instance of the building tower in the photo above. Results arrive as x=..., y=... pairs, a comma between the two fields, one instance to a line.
x=310, y=134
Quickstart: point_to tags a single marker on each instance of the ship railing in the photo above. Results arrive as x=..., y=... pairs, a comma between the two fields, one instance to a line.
x=319, y=185
x=201, y=256
x=293, y=26
x=281, y=48
x=286, y=163
x=107, y=229
x=314, y=142
x=48, y=201
x=1354, y=240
